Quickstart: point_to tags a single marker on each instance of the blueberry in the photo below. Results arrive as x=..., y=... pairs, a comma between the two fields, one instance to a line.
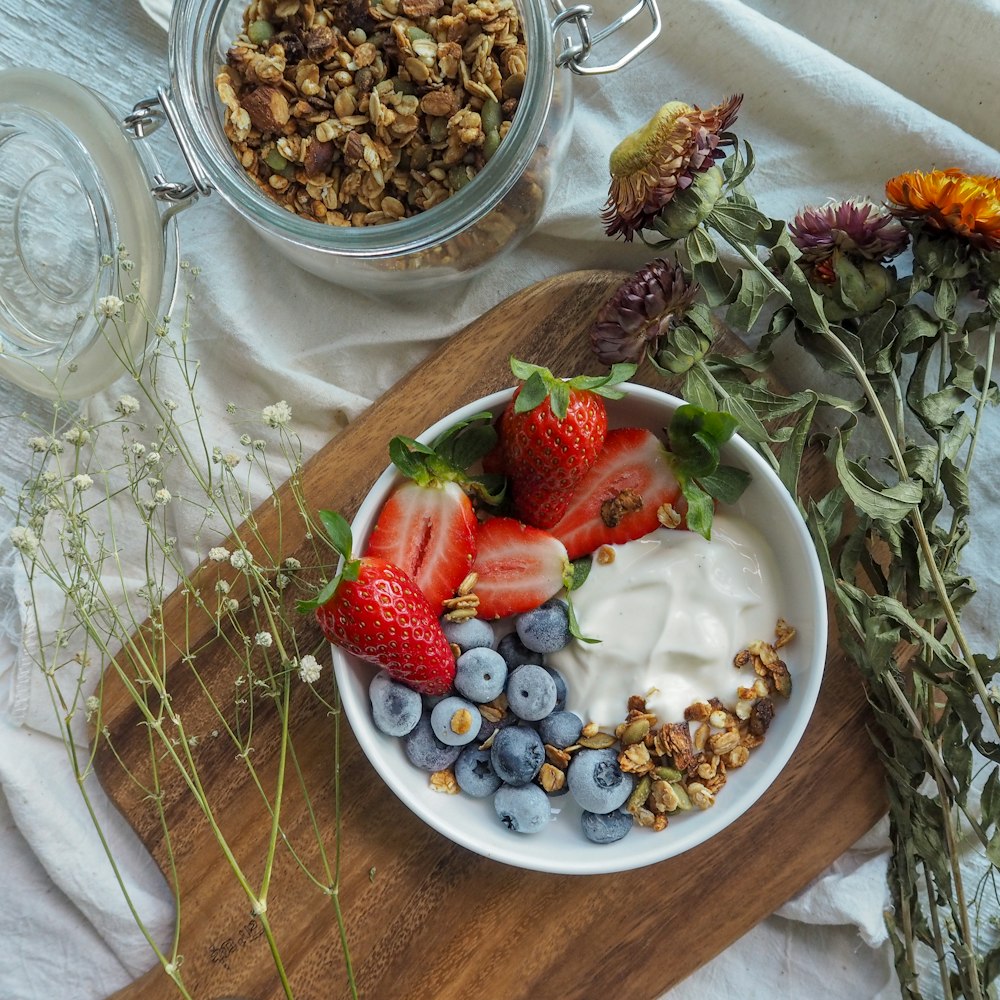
x=531, y=692
x=473, y=633
x=560, y=729
x=395, y=707
x=514, y=652
x=480, y=674
x=546, y=628
x=605, y=828
x=524, y=809
x=517, y=754
x=560, y=688
x=455, y=721
x=597, y=782
x=425, y=750
x=474, y=773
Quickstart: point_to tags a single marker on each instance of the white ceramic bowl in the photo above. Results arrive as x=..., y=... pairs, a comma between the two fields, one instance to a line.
x=561, y=847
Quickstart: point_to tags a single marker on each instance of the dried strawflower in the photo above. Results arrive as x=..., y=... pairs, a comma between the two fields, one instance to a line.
x=654, y=163
x=641, y=311
x=857, y=227
x=956, y=203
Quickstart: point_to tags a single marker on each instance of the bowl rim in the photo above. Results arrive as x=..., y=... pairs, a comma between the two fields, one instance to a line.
x=710, y=822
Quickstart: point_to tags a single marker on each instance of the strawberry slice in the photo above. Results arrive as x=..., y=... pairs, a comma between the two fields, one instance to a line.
x=618, y=500
x=519, y=567
x=375, y=611
x=430, y=532
x=428, y=526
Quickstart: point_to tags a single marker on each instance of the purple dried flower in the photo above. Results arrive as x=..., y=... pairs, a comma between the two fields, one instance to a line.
x=645, y=307
x=857, y=226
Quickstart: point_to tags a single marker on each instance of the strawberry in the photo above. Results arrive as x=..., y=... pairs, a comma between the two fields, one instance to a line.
x=374, y=610
x=430, y=532
x=618, y=499
x=552, y=432
x=427, y=527
x=519, y=567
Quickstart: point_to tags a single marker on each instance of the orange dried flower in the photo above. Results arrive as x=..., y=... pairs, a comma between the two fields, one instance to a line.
x=963, y=205
x=656, y=161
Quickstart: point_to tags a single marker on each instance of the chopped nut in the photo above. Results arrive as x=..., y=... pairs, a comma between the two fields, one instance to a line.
x=590, y=729
x=663, y=797
x=444, y=781
x=599, y=741
x=613, y=511
x=551, y=778
x=721, y=743
x=700, y=796
x=267, y=107
x=635, y=759
x=461, y=722
x=698, y=711
x=556, y=756
x=783, y=633
x=761, y=716
x=667, y=516
x=605, y=555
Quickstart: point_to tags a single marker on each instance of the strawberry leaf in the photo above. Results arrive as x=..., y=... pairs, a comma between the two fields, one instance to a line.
x=533, y=393
x=726, y=483
x=329, y=589
x=580, y=570
x=700, y=508
x=574, y=625
x=338, y=531
x=559, y=399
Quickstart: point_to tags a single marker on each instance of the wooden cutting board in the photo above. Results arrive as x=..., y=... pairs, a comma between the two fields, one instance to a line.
x=428, y=920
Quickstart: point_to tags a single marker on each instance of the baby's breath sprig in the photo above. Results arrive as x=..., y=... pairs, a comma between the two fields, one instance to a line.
x=103, y=487
x=907, y=349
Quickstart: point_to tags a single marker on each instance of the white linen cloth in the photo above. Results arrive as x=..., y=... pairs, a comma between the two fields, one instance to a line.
x=839, y=97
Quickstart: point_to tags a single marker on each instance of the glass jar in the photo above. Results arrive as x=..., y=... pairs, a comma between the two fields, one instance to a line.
x=113, y=235
x=453, y=240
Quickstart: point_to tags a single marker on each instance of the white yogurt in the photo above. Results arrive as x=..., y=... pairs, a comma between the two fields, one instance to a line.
x=671, y=611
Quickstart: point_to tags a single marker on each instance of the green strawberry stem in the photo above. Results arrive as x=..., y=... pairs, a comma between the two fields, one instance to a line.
x=540, y=384
x=449, y=457
x=696, y=437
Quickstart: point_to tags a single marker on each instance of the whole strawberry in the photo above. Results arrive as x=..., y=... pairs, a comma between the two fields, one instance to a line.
x=374, y=610
x=552, y=432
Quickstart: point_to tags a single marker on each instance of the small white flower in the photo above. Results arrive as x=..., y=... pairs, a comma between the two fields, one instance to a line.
x=24, y=540
x=230, y=459
x=126, y=265
x=127, y=405
x=245, y=440
x=82, y=482
x=109, y=305
x=162, y=497
x=277, y=414
x=153, y=457
x=38, y=444
x=218, y=553
x=230, y=604
x=77, y=435
x=171, y=404
x=309, y=669
x=138, y=449
x=282, y=580
x=263, y=639
x=241, y=559
x=92, y=704
x=222, y=586
x=292, y=564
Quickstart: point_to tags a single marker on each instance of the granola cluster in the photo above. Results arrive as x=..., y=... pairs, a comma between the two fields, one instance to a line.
x=355, y=113
x=675, y=769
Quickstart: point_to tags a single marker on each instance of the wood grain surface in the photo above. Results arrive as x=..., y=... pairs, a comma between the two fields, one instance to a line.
x=428, y=920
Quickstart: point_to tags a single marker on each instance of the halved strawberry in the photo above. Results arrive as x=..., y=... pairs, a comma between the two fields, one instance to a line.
x=375, y=611
x=519, y=567
x=618, y=499
x=427, y=527
x=430, y=532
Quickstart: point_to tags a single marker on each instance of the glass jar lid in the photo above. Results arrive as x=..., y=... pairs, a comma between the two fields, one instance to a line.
x=84, y=232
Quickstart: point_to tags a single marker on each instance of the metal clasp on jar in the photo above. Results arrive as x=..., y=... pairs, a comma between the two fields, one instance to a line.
x=574, y=55
x=144, y=119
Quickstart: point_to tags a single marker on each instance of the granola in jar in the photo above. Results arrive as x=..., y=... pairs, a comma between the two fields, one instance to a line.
x=355, y=114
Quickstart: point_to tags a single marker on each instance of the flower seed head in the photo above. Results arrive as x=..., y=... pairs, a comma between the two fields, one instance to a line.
x=641, y=311
x=856, y=227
